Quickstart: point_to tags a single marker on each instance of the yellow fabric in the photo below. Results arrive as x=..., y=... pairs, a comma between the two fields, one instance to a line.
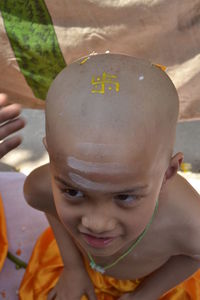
x=3, y=236
x=46, y=265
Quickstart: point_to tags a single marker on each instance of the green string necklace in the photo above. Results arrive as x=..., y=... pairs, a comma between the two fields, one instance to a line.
x=101, y=269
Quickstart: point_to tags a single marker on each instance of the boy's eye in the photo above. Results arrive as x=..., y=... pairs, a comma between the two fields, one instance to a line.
x=126, y=198
x=73, y=193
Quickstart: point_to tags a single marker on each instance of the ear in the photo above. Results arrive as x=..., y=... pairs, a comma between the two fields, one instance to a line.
x=173, y=167
x=45, y=143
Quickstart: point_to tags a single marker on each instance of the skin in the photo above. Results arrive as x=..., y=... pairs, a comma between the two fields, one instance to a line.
x=10, y=122
x=119, y=204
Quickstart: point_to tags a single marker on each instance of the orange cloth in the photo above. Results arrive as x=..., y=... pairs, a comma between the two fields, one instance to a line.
x=3, y=236
x=46, y=265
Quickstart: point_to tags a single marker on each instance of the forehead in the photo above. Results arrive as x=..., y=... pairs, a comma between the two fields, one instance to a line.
x=104, y=160
x=108, y=172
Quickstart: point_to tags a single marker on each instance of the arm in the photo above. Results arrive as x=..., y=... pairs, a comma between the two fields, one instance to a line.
x=187, y=240
x=65, y=241
x=174, y=271
x=38, y=194
x=74, y=273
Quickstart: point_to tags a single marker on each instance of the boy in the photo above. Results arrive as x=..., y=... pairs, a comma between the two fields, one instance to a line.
x=117, y=204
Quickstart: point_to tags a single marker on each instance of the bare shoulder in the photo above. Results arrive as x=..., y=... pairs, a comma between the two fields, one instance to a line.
x=185, y=201
x=37, y=190
x=184, y=196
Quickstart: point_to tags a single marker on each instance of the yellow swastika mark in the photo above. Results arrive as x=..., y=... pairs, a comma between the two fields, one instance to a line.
x=100, y=83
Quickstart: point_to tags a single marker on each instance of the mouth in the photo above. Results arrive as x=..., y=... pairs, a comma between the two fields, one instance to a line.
x=97, y=242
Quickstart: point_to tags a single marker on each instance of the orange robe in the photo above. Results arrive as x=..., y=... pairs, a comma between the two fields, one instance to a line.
x=3, y=236
x=46, y=265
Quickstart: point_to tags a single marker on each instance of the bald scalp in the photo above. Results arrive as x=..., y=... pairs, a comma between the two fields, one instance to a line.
x=112, y=97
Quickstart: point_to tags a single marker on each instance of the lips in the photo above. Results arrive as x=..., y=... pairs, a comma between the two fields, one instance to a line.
x=97, y=242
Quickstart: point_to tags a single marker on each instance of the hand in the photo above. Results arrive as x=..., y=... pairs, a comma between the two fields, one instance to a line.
x=10, y=122
x=73, y=285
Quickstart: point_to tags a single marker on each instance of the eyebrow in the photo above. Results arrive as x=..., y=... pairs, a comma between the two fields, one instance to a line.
x=126, y=191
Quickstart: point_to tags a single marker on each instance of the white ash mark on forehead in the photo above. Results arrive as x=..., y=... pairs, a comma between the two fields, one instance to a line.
x=88, y=184
x=96, y=167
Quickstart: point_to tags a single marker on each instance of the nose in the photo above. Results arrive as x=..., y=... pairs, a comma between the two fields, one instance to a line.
x=98, y=223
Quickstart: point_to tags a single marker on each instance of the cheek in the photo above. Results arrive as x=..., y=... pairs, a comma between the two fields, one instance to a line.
x=69, y=215
x=140, y=217
x=135, y=225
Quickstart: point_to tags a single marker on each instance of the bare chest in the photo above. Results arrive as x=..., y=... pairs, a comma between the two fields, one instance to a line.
x=148, y=257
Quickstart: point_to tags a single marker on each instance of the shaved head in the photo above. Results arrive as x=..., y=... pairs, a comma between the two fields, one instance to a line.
x=111, y=101
x=110, y=128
